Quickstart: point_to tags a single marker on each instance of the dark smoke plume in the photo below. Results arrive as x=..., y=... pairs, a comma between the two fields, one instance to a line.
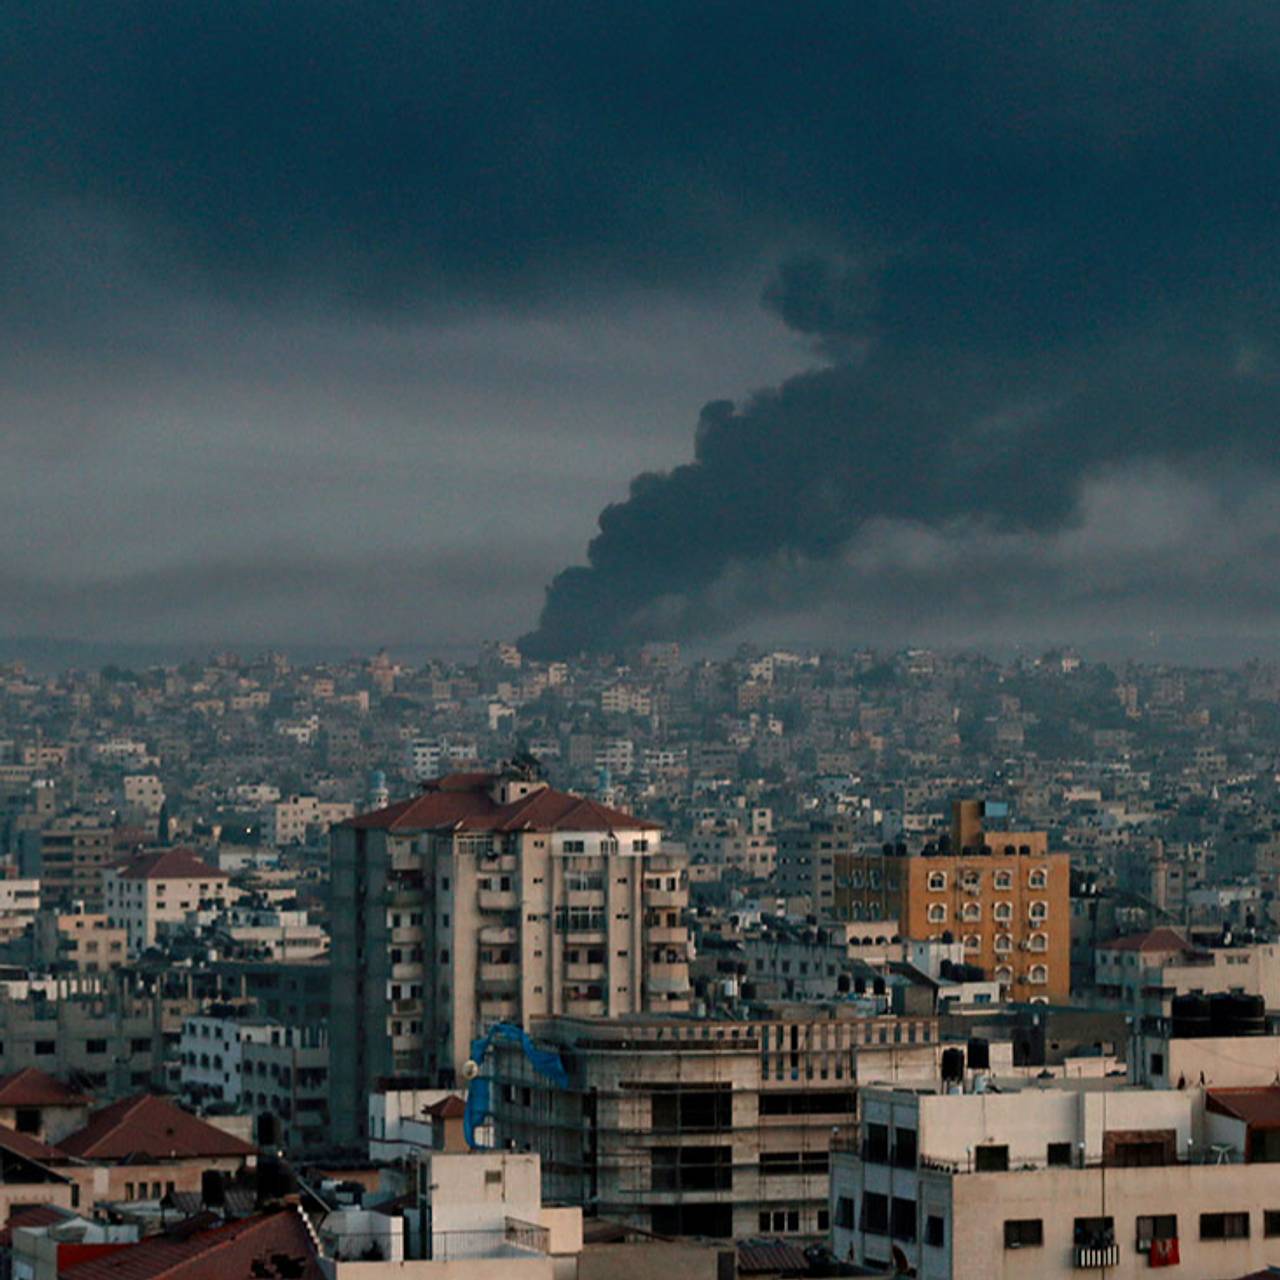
x=931, y=437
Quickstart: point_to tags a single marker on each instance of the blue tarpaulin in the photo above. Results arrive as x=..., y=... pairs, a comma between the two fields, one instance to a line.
x=544, y=1061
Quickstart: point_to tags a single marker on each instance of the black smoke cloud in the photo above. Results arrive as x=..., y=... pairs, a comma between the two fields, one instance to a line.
x=1079, y=286
x=1032, y=245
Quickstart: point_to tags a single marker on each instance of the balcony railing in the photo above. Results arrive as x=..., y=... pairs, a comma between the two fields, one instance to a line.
x=1091, y=1257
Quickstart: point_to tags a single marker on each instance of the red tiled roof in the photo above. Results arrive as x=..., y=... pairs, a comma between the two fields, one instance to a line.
x=146, y=1125
x=169, y=864
x=1160, y=939
x=1259, y=1108
x=23, y=1144
x=447, y=1108
x=462, y=800
x=32, y=1087
x=33, y=1215
x=262, y=1246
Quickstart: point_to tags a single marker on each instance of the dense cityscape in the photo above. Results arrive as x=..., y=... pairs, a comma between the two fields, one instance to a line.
x=639, y=641
x=817, y=963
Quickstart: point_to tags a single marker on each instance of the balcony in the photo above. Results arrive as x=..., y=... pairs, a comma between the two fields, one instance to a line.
x=497, y=899
x=666, y=898
x=1093, y=1257
x=497, y=935
x=676, y=935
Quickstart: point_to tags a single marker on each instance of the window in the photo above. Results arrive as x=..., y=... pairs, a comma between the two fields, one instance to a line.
x=937, y=881
x=875, y=1146
x=1157, y=1064
x=1224, y=1226
x=937, y=913
x=1038, y=942
x=903, y=1219
x=1038, y=879
x=1094, y=1233
x=45, y=1047
x=1004, y=942
x=1004, y=880
x=1003, y=911
x=935, y=1232
x=844, y=1213
x=1058, y=1155
x=991, y=1159
x=1271, y=1223
x=1039, y=910
x=692, y=1169
x=1023, y=1233
x=824, y=1220
x=28, y=1120
x=971, y=911
x=875, y=1213
x=1004, y=973
x=1162, y=1226
x=95, y=1046
x=972, y=942
x=1038, y=974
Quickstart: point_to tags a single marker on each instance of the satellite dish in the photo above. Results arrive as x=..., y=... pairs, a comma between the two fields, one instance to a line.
x=470, y=1069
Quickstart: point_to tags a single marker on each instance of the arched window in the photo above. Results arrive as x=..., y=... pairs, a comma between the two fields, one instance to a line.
x=971, y=911
x=971, y=879
x=855, y=879
x=855, y=910
x=937, y=913
x=1004, y=880
x=1004, y=942
x=937, y=881
x=1039, y=909
x=972, y=942
x=1039, y=942
x=1039, y=878
x=1039, y=974
x=1004, y=973
x=873, y=879
x=1003, y=911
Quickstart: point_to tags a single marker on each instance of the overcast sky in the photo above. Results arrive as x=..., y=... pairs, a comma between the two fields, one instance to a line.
x=340, y=323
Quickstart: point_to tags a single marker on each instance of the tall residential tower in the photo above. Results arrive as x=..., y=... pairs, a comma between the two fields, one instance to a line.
x=487, y=898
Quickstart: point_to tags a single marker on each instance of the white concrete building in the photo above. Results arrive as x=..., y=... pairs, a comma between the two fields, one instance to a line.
x=1052, y=1180
x=160, y=887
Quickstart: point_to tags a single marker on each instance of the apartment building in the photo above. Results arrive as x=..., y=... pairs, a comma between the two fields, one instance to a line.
x=109, y=1038
x=276, y=1073
x=690, y=1127
x=1046, y=1180
x=69, y=856
x=486, y=898
x=19, y=907
x=739, y=840
x=84, y=941
x=807, y=861
x=1000, y=893
x=160, y=888
x=287, y=821
x=1147, y=971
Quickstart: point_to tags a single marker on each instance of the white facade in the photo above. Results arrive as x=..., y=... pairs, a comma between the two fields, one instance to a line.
x=1045, y=1182
x=141, y=904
